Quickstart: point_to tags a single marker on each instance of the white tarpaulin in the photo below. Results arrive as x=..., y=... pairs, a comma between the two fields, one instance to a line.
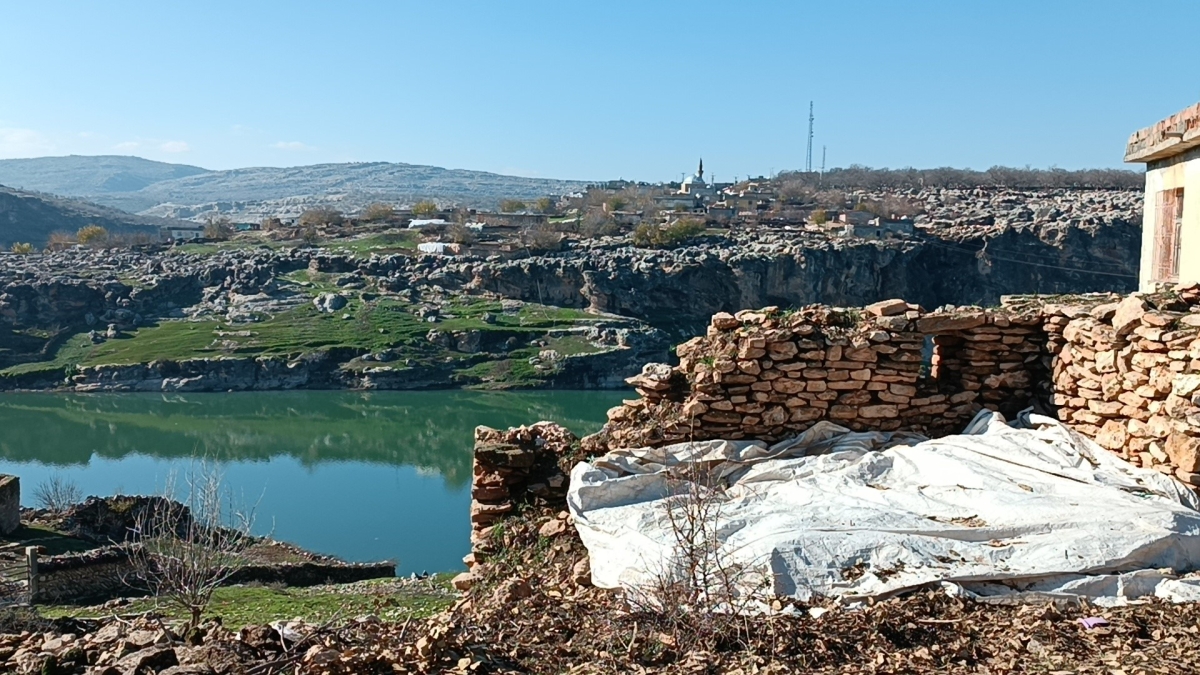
x=993, y=511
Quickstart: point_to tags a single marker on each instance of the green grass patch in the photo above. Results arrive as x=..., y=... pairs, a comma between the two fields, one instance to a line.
x=213, y=247
x=239, y=606
x=383, y=243
x=54, y=542
x=384, y=323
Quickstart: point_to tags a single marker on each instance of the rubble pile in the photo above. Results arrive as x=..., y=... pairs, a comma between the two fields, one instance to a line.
x=1127, y=373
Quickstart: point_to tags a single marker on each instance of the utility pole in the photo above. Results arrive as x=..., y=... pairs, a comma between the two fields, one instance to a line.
x=808, y=160
x=822, y=160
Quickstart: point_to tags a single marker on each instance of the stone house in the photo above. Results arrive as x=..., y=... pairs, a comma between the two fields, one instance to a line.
x=1170, y=150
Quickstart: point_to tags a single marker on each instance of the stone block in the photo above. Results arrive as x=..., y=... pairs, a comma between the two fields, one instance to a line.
x=1184, y=451
x=891, y=307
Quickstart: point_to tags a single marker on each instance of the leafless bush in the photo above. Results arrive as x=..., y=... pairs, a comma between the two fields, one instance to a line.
x=541, y=238
x=598, y=224
x=378, y=212
x=57, y=493
x=60, y=240
x=459, y=233
x=321, y=216
x=189, y=548
x=218, y=229
x=700, y=596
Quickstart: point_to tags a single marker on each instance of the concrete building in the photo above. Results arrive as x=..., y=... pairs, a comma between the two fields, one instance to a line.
x=182, y=232
x=1171, y=216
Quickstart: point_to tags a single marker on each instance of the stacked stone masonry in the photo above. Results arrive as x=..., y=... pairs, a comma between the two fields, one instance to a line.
x=770, y=375
x=1125, y=372
x=525, y=465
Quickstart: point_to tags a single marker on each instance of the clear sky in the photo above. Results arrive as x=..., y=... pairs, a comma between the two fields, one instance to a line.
x=573, y=89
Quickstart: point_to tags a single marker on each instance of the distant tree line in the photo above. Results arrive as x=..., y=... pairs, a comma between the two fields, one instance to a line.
x=861, y=177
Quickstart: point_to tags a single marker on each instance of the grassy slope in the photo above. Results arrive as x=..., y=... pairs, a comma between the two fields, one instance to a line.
x=244, y=605
x=377, y=325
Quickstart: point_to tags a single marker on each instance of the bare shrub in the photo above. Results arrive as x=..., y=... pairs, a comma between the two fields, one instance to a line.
x=541, y=238
x=511, y=205
x=697, y=594
x=321, y=216
x=189, y=548
x=57, y=493
x=378, y=212
x=60, y=240
x=271, y=224
x=459, y=233
x=218, y=229
x=598, y=224
x=819, y=216
x=545, y=205
x=21, y=249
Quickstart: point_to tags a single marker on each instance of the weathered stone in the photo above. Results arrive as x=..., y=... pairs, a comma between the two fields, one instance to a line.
x=886, y=308
x=878, y=411
x=1184, y=451
x=1128, y=315
x=1112, y=436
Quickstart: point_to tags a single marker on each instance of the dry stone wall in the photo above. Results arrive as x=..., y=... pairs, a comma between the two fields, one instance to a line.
x=514, y=467
x=770, y=375
x=1124, y=371
x=1127, y=373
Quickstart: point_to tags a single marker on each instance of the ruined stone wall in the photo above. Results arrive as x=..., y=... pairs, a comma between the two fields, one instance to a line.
x=108, y=572
x=514, y=467
x=10, y=504
x=1128, y=375
x=770, y=375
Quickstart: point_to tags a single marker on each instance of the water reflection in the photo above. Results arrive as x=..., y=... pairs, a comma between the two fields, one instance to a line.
x=359, y=475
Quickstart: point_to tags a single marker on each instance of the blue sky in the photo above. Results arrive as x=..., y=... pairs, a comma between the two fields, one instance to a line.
x=573, y=89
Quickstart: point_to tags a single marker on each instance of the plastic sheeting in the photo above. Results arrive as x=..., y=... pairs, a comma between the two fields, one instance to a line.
x=997, y=510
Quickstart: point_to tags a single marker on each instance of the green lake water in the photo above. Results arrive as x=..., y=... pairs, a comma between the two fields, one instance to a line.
x=363, y=476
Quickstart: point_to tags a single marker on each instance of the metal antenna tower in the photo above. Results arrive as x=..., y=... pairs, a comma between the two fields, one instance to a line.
x=822, y=160
x=808, y=161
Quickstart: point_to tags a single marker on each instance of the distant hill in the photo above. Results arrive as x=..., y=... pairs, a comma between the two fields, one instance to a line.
x=32, y=217
x=139, y=185
x=85, y=176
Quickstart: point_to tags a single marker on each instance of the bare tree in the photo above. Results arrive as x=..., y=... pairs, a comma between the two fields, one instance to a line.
x=187, y=549
x=218, y=229
x=57, y=493
x=321, y=216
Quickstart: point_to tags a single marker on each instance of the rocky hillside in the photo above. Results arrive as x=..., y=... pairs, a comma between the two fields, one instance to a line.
x=175, y=190
x=32, y=217
x=80, y=176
